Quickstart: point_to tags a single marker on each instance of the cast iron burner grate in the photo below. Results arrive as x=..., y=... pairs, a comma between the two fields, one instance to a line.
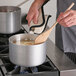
x=4, y=37
x=4, y=43
x=14, y=69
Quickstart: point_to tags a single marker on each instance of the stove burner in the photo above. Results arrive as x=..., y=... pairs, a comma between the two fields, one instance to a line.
x=14, y=69
x=24, y=70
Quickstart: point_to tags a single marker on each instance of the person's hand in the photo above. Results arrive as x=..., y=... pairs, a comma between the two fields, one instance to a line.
x=67, y=19
x=33, y=13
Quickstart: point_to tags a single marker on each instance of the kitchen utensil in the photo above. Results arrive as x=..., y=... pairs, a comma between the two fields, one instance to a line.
x=26, y=55
x=43, y=37
x=10, y=19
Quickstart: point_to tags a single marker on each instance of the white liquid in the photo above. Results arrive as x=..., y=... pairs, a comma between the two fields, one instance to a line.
x=24, y=42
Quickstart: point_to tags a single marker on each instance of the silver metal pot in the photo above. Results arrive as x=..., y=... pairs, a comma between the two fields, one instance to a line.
x=10, y=19
x=26, y=55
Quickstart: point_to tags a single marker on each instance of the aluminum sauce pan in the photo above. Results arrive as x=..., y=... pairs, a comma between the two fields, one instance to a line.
x=26, y=55
x=10, y=19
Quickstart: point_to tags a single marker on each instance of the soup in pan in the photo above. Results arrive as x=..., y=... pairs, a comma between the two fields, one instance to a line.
x=24, y=42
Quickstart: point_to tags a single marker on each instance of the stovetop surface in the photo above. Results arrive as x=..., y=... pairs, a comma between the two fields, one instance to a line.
x=56, y=64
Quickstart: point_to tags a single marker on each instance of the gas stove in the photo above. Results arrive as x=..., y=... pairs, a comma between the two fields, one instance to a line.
x=56, y=63
x=9, y=69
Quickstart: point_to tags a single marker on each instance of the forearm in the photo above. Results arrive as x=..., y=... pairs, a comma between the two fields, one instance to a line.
x=39, y=3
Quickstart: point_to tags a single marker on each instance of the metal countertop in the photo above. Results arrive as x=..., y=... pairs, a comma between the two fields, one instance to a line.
x=60, y=60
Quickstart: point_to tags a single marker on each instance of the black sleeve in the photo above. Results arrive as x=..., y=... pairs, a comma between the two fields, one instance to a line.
x=45, y=2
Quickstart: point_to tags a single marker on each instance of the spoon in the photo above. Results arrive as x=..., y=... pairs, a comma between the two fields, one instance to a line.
x=43, y=37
